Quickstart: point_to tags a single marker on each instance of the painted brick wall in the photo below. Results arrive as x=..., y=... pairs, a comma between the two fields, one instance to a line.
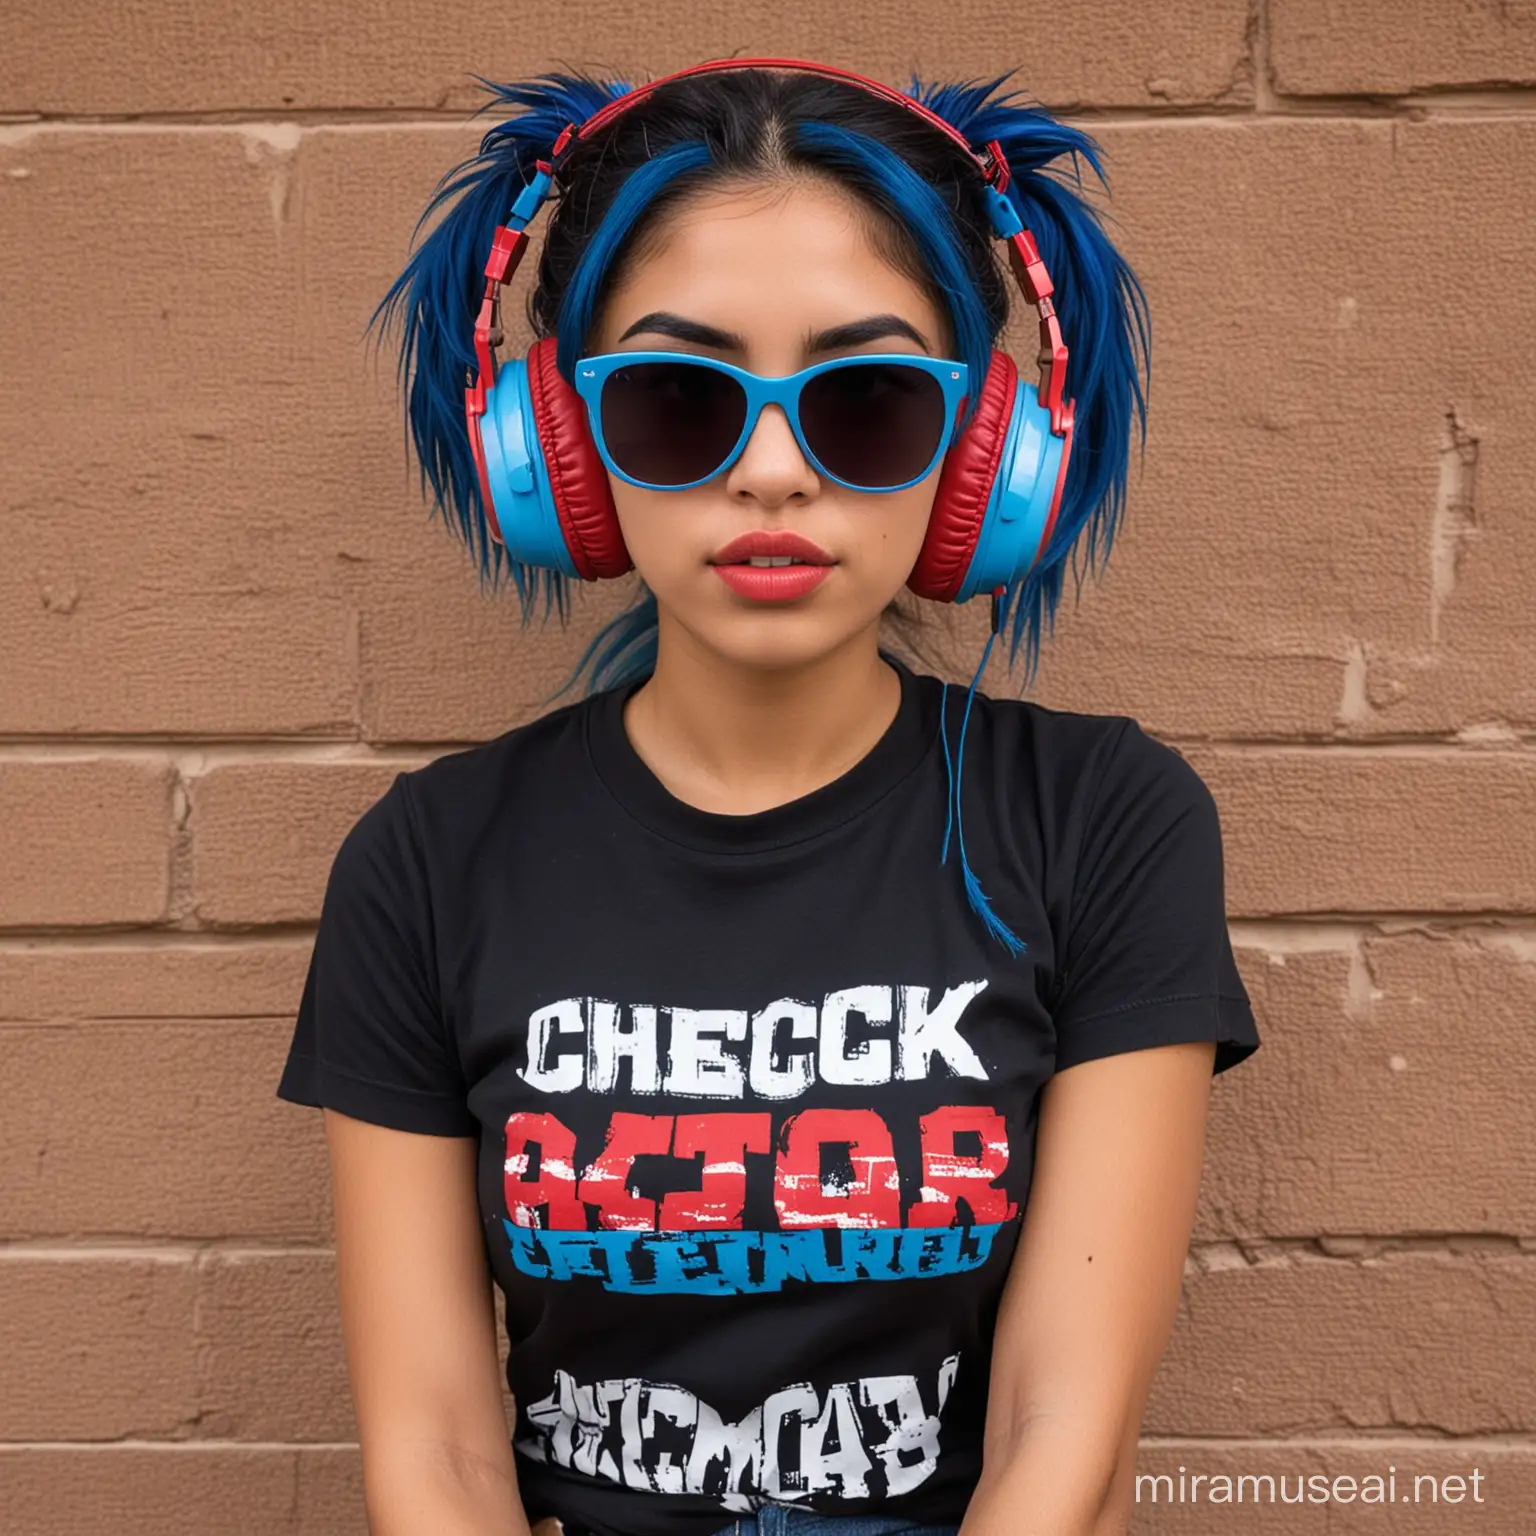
x=225, y=622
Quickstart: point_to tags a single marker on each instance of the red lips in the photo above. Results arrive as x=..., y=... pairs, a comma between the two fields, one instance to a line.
x=779, y=542
x=772, y=583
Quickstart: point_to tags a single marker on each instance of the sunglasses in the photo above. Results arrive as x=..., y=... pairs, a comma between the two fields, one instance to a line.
x=668, y=421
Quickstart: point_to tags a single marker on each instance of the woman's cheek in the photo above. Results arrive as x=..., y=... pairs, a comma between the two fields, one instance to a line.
x=663, y=539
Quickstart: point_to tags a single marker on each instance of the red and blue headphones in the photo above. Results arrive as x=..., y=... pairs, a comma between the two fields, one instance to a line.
x=546, y=491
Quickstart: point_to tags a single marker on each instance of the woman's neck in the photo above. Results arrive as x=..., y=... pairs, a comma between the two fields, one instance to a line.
x=735, y=739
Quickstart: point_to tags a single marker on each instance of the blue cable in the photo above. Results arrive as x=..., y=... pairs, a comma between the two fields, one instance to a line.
x=954, y=816
x=949, y=772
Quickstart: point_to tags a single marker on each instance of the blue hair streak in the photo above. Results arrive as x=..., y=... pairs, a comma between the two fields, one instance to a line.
x=904, y=195
x=578, y=308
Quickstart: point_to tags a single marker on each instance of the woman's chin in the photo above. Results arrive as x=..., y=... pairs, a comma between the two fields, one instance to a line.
x=779, y=636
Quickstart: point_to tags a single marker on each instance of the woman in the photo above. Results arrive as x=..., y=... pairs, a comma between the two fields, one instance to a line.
x=816, y=1058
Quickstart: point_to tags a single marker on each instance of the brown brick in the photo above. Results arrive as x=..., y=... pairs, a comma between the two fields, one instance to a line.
x=154, y=1490
x=1294, y=1344
x=96, y=1346
x=273, y=1367
x=1176, y=687
x=86, y=841
x=1390, y=47
x=291, y=652
x=420, y=53
x=1297, y=557
x=1361, y=830
x=264, y=834
x=186, y=980
x=1392, y=1095
x=164, y=573
x=1405, y=1466
x=442, y=661
x=184, y=1115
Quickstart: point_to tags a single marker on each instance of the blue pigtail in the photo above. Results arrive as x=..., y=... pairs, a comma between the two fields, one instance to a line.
x=436, y=298
x=1104, y=321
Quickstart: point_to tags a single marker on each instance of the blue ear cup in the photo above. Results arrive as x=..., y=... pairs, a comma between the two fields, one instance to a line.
x=547, y=486
x=1024, y=495
x=518, y=477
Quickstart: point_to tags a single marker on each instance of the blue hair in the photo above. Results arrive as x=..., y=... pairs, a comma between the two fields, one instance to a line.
x=1102, y=307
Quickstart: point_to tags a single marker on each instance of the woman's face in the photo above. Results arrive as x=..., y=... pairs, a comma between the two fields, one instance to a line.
x=753, y=276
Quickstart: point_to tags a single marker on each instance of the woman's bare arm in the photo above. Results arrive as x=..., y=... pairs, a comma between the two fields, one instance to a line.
x=418, y=1318
x=1093, y=1292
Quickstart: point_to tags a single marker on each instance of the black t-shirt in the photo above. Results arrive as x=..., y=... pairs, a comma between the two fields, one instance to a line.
x=756, y=1095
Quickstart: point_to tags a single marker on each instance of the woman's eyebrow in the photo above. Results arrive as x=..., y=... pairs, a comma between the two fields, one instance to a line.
x=662, y=322
x=857, y=332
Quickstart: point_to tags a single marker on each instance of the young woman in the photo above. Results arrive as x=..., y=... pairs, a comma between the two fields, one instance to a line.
x=816, y=1056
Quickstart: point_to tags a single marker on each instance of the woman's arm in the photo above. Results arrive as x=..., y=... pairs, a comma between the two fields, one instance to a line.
x=418, y=1318
x=1093, y=1292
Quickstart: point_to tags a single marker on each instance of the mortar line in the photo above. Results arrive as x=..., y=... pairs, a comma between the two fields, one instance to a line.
x=1446, y=103
x=1257, y=1250
x=1518, y=1442
x=222, y=751
x=1317, y=930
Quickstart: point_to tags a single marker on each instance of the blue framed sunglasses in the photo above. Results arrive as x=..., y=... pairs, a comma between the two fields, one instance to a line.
x=668, y=421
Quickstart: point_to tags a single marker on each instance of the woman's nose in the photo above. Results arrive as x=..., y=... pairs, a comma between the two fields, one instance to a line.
x=772, y=468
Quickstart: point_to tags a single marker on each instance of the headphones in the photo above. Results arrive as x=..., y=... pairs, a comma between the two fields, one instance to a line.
x=545, y=490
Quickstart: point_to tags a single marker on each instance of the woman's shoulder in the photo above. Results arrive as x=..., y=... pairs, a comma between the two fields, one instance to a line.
x=460, y=792
x=1069, y=753
x=534, y=745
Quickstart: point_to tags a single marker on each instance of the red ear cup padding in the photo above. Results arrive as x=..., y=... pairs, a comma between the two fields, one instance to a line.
x=965, y=486
x=577, y=478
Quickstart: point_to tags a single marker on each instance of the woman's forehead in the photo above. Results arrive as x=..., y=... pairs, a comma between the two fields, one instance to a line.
x=788, y=261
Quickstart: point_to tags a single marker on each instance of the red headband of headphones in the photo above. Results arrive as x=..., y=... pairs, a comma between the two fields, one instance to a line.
x=991, y=164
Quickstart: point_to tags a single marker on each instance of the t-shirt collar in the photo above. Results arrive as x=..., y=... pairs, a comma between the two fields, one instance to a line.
x=906, y=741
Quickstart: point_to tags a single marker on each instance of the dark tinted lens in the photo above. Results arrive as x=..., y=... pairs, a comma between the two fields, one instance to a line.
x=873, y=424
x=671, y=423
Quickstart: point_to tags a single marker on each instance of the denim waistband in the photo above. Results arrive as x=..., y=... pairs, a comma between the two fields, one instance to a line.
x=779, y=1520
x=775, y=1520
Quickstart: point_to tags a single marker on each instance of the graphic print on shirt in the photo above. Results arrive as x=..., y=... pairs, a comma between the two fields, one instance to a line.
x=836, y=1185
x=874, y=1432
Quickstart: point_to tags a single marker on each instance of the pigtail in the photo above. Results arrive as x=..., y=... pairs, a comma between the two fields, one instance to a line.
x=436, y=297
x=1104, y=322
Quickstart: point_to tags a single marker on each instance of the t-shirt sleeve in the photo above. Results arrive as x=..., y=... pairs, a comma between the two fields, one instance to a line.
x=1147, y=959
x=370, y=1039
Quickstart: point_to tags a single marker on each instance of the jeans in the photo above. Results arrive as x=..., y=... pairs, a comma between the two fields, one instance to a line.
x=777, y=1521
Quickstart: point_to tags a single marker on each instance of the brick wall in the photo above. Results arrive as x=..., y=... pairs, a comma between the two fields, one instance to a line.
x=225, y=622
